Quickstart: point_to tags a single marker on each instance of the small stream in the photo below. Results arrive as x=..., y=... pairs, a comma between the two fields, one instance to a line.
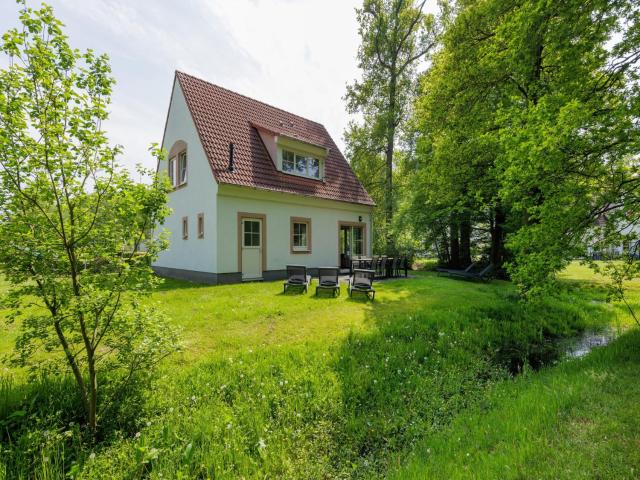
x=580, y=345
x=553, y=350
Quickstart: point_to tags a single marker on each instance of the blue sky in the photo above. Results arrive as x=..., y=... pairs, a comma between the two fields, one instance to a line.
x=295, y=54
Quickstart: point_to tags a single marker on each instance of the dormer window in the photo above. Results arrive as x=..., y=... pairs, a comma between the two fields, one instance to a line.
x=304, y=165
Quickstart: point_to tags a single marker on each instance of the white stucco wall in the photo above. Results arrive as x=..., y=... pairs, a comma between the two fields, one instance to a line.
x=279, y=208
x=198, y=196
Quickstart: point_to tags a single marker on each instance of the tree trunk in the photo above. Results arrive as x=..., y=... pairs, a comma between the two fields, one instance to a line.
x=93, y=394
x=454, y=241
x=465, y=240
x=391, y=134
x=497, y=255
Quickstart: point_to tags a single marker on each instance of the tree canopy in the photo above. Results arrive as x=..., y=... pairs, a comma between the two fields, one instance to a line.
x=75, y=229
x=527, y=133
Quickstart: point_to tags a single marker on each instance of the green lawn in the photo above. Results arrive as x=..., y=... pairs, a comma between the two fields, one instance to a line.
x=293, y=386
x=227, y=319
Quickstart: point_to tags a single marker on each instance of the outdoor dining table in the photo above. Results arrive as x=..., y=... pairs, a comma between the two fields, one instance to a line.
x=361, y=262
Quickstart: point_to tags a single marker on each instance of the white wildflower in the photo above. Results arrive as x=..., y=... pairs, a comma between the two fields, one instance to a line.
x=261, y=444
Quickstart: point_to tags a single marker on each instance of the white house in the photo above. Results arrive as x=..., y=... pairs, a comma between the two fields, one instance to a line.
x=255, y=189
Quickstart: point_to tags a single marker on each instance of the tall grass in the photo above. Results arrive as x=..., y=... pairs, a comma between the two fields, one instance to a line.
x=313, y=410
x=578, y=420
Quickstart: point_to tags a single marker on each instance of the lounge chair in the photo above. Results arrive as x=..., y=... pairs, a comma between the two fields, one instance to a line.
x=297, y=277
x=328, y=280
x=456, y=271
x=483, y=275
x=362, y=281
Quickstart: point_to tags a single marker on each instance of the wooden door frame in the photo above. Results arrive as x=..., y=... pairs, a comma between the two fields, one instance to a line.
x=364, y=235
x=263, y=233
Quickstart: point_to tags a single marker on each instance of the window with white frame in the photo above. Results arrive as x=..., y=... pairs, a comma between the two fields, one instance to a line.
x=201, y=225
x=185, y=228
x=182, y=168
x=300, y=235
x=288, y=161
x=304, y=165
x=172, y=171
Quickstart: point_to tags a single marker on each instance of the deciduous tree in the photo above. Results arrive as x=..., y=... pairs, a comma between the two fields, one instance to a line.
x=75, y=239
x=395, y=36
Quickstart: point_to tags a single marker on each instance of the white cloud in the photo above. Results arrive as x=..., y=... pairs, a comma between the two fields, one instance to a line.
x=295, y=54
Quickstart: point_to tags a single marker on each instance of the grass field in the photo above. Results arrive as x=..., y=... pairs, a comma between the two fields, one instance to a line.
x=293, y=386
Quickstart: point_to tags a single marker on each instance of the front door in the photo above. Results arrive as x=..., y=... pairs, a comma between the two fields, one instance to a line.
x=251, y=248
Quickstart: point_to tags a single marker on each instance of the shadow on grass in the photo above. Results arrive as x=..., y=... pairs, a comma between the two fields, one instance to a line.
x=419, y=369
x=553, y=432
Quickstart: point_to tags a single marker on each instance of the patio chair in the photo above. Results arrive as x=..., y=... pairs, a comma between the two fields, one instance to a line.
x=394, y=267
x=482, y=275
x=379, y=267
x=382, y=267
x=297, y=277
x=404, y=265
x=374, y=262
x=388, y=267
x=362, y=281
x=328, y=280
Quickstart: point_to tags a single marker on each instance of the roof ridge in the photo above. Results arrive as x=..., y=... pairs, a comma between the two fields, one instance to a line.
x=178, y=72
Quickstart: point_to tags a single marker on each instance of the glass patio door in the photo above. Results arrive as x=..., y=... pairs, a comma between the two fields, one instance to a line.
x=351, y=243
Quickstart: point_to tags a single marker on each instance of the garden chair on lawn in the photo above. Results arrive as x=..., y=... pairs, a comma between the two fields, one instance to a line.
x=454, y=271
x=362, y=281
x=297, y=277
x=483, y=275
x=328, y=280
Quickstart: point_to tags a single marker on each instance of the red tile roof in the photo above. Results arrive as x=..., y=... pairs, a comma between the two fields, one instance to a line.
x=222, y=117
